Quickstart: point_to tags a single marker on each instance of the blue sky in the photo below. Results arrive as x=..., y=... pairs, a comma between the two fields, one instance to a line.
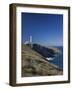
x=45, y=29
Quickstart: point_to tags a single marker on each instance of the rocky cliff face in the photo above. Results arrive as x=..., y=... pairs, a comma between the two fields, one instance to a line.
x=34, y=64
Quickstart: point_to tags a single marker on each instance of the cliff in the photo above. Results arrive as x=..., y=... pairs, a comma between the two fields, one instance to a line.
x=35, y=64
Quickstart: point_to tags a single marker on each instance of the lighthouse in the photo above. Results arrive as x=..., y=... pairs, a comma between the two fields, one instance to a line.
x=30, y=41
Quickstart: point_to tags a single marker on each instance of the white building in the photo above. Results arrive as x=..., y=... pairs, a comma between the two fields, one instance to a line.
x=29, y=42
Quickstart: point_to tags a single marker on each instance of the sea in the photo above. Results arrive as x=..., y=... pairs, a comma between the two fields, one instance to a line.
x=58, y=60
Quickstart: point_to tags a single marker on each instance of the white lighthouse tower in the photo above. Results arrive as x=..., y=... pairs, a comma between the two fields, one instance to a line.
x=30, y=41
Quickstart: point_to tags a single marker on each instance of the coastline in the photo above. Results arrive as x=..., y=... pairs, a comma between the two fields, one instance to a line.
x=34, y=64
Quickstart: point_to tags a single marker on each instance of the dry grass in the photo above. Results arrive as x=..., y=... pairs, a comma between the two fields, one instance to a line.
x=33, y=64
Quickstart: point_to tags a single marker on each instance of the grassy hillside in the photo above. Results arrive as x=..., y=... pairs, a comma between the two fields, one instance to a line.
x=33, y=64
